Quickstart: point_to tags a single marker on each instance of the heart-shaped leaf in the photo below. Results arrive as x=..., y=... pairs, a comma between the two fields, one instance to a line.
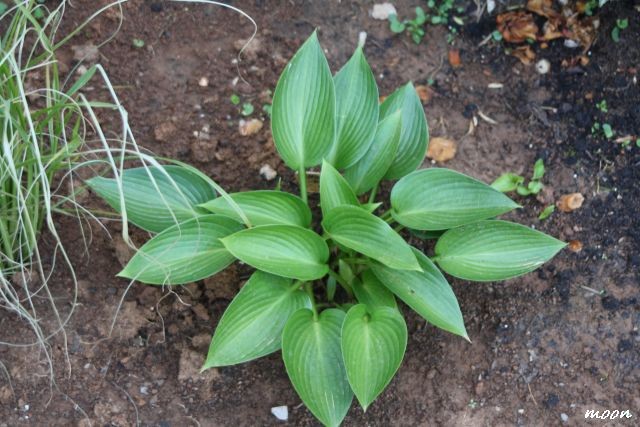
x=372, y=167
x=494, y=250
x=373, y=345
x=426, y=292
x=155, y=199
x=414, y=136
x=371, y=292
x=357, y=229
x=183, y=253
x=439, y=199
x=252, y=325
x=356, y=111
x=284, y=250
x=264, y=207
x=334, y=190
x=313, y=357
x=303, y=110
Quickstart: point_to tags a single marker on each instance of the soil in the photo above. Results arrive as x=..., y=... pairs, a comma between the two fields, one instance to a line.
x=545, y=347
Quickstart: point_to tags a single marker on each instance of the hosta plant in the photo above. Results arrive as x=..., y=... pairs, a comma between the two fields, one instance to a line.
x=326, y=291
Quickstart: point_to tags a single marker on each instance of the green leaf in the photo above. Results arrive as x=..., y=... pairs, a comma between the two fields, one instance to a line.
x=371, y=168
x=414, y=136
x=394, y=25
x=154, y=200
x=264, y=207
x=252, y=325
x=507, y=182
x=494, y=250
x=615, y=34
x=356, y=111
x=312, y=354
x=363, y=232
x=334, y=189
x=538, y=170
x=373, y=345
x=303, y=110
x=184, y=253
x=371, y=292
x=438, y=199
x=284, y=250
x=534, y=187
x=426, y=292
x=546, y=212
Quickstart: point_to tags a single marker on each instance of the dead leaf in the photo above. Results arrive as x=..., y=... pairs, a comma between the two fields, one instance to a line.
x=424, y=93
x=525, y=54
x=542, y=8
x=570, y=202
x=454, y=58
x=249, y=127
x=517, y=27
x=551, y=30
x=441, y=149
x=575, y=245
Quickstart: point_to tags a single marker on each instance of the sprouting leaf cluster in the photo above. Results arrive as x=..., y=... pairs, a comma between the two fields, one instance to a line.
x=326, y=289
x=437, y=13
x=509, y=181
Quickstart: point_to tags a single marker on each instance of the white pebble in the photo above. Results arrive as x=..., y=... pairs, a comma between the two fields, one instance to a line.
x=543, y=66
x=268, y=173
x=564, y=417
x=382, y=11
x=203, y=82
x=280, y=412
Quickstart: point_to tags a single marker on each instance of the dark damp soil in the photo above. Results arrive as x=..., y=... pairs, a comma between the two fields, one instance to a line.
x=546, y=347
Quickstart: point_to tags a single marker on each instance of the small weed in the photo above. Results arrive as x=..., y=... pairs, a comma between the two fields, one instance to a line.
x=235, y=99
x=621, y=24
x=546, y=212
x=438, y=13
x=509, y=182
x=247, y=109
x=137, y=43
x=607, y=130
x=602, y=106
x=267, y=109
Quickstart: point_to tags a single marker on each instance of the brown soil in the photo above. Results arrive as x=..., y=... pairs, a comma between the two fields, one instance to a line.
x=544, y=345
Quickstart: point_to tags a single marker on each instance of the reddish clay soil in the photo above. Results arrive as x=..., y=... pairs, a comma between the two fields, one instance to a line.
x=546, y=347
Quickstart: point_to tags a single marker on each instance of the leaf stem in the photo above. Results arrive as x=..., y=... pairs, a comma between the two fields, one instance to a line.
x=302, y=179
x=374, y=191
x=309, y=288
x=342, y=283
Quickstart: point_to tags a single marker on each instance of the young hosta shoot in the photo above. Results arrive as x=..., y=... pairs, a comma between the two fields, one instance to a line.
x=325, y=291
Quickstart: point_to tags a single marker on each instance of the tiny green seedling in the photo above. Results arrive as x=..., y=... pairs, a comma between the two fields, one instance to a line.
x=621, y=24
x=546, y=212
x=602, y=106
x=509, y=182
x=247, y=109
x=137, y=43
x=267, y=109
x=326, y=287
x=235, y=99
x=438, y=13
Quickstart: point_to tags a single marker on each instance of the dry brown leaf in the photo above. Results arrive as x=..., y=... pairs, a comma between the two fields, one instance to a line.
x=542, y=8
x=441, y=149
x=551, y=30
x=575, y=245
x=249, y=127
x=525, y=54
x=454, y=58
x=424, y=93
x=517, y=27
x=570, y=202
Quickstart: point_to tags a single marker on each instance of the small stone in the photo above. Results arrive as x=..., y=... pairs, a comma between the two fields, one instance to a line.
x=249, y=127
x=382, y=11
x=268, y=173
x=564, y=417
x=543, y=66
x=280, y=412
x=203, y=82
x=81, y=70
x=204, y=150
x=424, y=93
